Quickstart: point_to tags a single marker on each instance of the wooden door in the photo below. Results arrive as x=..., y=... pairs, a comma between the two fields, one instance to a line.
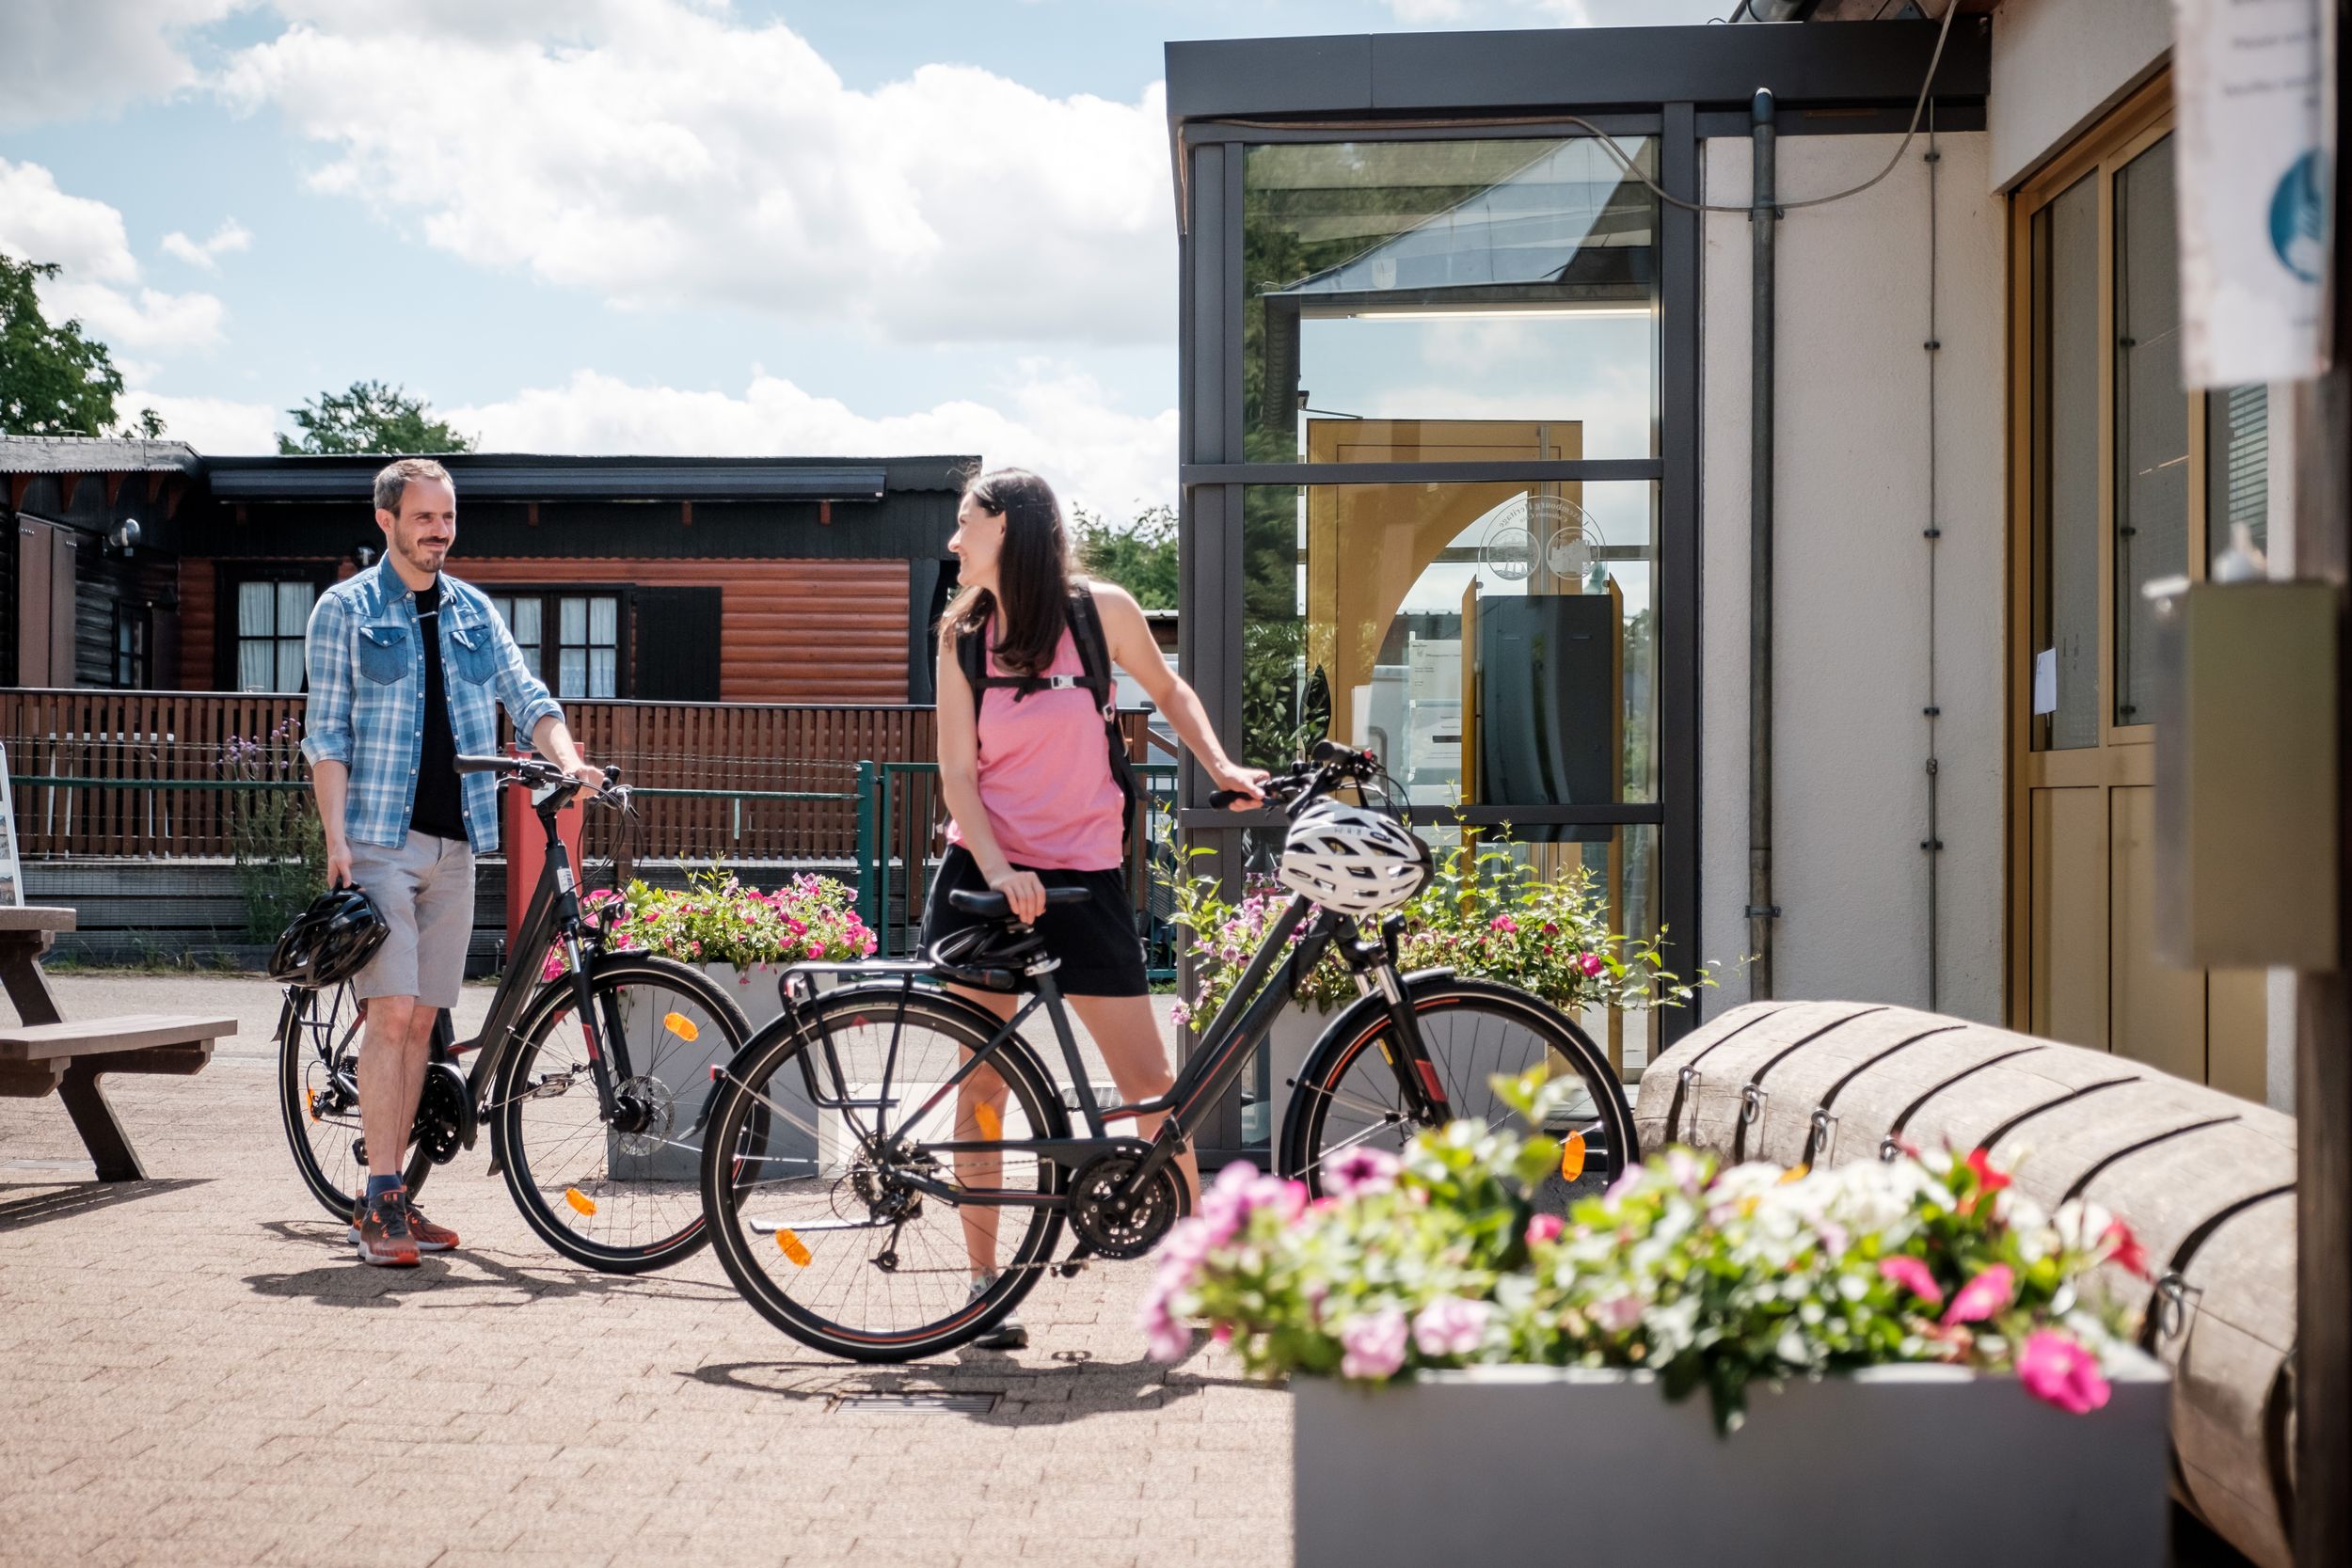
x=2111, y=462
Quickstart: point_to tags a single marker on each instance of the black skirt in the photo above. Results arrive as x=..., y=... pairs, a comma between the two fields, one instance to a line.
x=1096, y=942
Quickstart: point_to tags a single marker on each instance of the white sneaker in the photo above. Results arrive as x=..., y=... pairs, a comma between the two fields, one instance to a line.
x=1008, y=1334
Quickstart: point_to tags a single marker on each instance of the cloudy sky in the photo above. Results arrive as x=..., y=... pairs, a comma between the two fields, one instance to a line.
x=645, y=226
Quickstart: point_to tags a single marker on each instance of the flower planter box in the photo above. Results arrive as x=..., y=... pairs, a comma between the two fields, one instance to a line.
x=686, y=1072
x=1923, y=1466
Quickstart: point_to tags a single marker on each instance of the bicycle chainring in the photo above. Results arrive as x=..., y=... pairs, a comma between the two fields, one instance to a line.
x=445, y=1113
x=1117, y=1227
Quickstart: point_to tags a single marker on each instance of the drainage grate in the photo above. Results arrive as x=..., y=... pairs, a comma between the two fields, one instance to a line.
x=915, y=1404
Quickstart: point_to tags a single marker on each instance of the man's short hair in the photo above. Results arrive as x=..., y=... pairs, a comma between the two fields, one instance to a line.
x=392, y=481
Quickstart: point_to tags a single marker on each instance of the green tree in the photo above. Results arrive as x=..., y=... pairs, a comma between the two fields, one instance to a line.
x=371, y=418
x=1140, y=558
x=54, y=381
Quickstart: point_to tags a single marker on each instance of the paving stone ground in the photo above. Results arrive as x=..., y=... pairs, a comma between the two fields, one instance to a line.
x=193, y=1371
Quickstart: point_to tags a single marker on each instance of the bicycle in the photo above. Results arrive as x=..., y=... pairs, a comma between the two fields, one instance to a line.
x=596, y=1084
x=856, y=1161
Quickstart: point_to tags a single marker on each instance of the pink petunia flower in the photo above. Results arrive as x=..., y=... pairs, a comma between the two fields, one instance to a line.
x=1373, y=1345
x=1544, y=1227
x=1982, y=1297
x=1591, y=964
x=1360, y=1172
x=1451, y=1325
x=2061, y=1371
x=1912, y=1275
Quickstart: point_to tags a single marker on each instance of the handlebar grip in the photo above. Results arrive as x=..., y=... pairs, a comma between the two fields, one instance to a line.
x=1327, y=752
x=1221, y=798
x=484, y=765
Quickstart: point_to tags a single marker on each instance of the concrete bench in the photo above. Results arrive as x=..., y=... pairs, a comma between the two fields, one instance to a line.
x=47, y=1055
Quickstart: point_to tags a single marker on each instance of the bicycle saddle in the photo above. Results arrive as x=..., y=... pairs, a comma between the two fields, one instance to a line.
x=992, y=905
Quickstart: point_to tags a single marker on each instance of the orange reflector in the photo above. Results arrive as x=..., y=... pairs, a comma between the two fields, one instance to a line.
x=992, y=1125
x=792, y=1246
x=579, y=1200
x=682, y=1026
x=311, y=1103
x=1572, y=1157
x=1794, y=1173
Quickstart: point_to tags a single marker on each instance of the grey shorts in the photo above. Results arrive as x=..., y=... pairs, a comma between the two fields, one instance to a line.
x=425, y=891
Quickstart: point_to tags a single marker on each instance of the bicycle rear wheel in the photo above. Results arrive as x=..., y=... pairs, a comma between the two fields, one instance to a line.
x=807, y=1197
x=618, y=1195
x=1348, y=1095
x=318, y=1096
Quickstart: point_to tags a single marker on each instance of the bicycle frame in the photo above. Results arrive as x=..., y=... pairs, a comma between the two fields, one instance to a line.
x=1239, y=1028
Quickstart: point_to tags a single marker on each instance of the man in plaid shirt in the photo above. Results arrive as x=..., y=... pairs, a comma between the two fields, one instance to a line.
x=407, y=669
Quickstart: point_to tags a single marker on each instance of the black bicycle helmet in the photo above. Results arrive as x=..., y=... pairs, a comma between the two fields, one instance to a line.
x=331, y=941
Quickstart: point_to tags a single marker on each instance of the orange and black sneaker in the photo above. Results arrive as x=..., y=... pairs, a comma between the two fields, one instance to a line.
x=382, y=1233
x=428, y=1236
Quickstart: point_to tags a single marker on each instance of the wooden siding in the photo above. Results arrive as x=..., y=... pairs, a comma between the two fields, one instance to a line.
x=792, y=631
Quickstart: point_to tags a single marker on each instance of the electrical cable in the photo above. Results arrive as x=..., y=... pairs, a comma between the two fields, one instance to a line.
x=1609, y=145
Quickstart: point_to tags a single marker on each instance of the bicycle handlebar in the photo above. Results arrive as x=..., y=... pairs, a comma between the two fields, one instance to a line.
x=1326, y=766
x=539, y=774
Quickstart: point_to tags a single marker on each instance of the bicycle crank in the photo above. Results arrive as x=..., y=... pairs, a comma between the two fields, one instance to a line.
x=1112, y=1223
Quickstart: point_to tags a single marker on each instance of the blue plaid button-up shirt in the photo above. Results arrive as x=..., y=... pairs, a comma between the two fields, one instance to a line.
x=367, y=697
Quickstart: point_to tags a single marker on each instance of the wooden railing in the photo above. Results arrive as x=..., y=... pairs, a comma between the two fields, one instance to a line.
x=151, y=773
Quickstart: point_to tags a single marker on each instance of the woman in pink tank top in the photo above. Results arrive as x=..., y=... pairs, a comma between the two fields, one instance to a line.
x=1026, y=773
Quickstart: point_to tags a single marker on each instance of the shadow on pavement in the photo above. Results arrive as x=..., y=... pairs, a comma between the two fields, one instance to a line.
x=49, y=1201
x=467, y=1271
x=1025, y=1395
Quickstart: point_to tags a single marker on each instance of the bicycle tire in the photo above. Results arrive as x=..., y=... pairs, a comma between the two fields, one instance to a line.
x=1346, y=1094
x=736, y=1151
x=651, y=1166
x=321, y=1149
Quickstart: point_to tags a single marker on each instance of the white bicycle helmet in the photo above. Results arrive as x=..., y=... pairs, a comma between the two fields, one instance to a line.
x=1353, y=860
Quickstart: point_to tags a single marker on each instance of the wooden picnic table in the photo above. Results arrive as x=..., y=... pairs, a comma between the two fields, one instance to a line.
x=45, y=1053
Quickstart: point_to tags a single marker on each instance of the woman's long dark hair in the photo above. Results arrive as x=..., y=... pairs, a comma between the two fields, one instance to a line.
x=1033, y=573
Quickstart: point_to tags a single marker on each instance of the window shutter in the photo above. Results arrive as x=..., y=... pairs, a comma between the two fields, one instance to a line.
x=674, y=635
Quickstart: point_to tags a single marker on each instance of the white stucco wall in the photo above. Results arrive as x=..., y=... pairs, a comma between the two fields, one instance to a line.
x=1851, y=741
x=2058, y=65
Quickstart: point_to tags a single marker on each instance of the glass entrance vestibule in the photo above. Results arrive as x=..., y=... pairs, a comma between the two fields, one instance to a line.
x=1440, y=402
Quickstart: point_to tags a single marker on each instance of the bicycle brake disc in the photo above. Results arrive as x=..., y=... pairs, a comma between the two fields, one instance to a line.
x=1121, y=1228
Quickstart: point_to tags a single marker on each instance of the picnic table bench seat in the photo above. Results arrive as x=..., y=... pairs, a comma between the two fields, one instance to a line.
x=47, y=1054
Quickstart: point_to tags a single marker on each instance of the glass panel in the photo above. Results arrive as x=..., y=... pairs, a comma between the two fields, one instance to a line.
x=254, y=602
x=289, y=665
x=2150, y=421
x=603, y=665
x=1494, y=644
x=525, y=623
x=1448, y=301
x=604, y=622
x=571, y=677
x=293, y=607
x=572, y=621
x=2237, y=467
x=257, y=664
x=2065, y=640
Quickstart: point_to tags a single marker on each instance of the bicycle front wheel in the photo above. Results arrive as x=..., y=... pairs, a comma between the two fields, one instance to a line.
x=318, y=1096
x=1349, y=1095
x=823, y=1188
x=616, y=1194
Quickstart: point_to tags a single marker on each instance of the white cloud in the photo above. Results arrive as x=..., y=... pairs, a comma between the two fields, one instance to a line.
x=660, y=154
x=99, y=285
x=1055, y=419
x=215, y=426
x=229, y=237
x=1422, y=12
x=68, y=58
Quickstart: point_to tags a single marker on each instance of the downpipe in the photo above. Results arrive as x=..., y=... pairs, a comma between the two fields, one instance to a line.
x=1763, y=221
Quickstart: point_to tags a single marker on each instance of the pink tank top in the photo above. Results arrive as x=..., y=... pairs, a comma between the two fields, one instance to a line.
x=1046, y=774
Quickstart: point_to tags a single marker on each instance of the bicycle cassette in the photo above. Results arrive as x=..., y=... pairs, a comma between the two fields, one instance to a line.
x=1117, y=1227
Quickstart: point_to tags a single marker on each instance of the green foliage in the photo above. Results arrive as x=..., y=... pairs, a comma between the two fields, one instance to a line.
x=1484, y=913
x=279, y=847
x=54, y=381
x=1711, y=1279
x=371, y=418
x=1140, y=558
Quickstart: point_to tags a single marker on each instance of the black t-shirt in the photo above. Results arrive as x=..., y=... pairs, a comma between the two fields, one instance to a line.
x=440, y=808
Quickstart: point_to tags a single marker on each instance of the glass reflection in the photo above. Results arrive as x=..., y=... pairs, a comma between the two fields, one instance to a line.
x=1412, y=301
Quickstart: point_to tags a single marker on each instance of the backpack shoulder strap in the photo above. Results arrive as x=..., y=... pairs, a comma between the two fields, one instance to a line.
x=1094, y=651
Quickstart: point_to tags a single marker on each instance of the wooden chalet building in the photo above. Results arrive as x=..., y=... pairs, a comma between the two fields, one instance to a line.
x=146, y=565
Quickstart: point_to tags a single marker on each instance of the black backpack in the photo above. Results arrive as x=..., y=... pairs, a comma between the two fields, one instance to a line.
x=1094, y=653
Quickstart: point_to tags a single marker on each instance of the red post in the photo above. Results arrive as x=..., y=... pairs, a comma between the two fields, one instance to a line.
x=526, y=851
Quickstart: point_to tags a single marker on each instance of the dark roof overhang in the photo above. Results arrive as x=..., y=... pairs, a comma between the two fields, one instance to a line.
x=98, y=454
x=506, y=476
